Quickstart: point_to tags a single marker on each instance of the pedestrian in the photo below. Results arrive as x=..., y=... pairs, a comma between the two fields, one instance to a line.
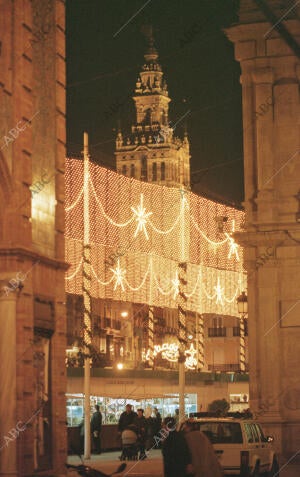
x=176, y=455
x=204, y=460
x=81, y=436
x=157, y=420
x=141, y=424
x=127, y=417
x=176, y=416
x=96, y=425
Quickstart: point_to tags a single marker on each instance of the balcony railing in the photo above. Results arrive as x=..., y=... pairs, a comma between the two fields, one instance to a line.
x=225, y=367
x=236, y=330
x=216, y=332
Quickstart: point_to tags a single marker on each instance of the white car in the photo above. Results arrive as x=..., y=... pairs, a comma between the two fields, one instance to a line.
x=240, y=446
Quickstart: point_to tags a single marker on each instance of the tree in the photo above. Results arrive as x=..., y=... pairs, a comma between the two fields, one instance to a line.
x=219, y=406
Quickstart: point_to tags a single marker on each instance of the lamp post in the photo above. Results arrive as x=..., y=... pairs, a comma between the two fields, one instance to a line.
x=86, y=291
x=242, y=303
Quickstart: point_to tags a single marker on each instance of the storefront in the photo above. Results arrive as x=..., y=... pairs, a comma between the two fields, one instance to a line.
x=111, y=408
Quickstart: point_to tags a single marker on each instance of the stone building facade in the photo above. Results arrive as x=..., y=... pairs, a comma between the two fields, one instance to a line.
x=32, y=267
x=266, y=43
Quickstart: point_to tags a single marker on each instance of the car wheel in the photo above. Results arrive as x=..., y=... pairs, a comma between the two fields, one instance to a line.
x=274, y=472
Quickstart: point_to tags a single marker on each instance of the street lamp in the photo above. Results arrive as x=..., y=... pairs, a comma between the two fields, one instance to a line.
x=242, y=303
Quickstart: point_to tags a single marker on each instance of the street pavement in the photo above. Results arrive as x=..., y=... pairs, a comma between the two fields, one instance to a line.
x=151, y=467
x=109, y=461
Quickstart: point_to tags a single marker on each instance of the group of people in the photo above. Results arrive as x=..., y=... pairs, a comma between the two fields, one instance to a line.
x=188, y=452
x=134, y=427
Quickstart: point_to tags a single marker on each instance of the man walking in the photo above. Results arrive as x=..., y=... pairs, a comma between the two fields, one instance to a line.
x=96, y=424
x=141, y=423
x=127, y=417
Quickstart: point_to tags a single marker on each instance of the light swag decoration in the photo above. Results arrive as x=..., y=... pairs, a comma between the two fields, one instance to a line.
x=146, y=220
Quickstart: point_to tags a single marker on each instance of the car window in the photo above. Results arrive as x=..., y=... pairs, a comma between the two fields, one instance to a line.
x=222, y=432
x=255, y=433
x=260, y=433
x=249, y=435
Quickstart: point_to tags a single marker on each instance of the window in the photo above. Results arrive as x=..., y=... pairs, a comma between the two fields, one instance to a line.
x=163, y=171
x=222, y=432
x=217, y=322
x=124, y=170
x=260, y=433
x=144, y=174
x=132, y=170
x=249, y=433
x=154, y=172
x=255, y=433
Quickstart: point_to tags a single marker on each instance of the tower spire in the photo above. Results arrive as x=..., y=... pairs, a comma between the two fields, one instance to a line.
x=151, y=52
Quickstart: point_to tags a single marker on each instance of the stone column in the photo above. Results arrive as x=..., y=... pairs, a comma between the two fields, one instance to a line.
x=8, y=378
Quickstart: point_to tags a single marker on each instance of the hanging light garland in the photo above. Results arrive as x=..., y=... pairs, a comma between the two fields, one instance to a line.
x=152, y=226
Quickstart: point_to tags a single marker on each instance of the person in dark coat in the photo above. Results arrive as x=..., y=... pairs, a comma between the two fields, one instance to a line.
x=81, y=436
x=141, y=424
x=127, y=417
x=176, y=455
x=96, y=425
x=157, y=421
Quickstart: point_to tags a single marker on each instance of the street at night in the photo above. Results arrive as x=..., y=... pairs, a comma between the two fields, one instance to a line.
x=149, y=238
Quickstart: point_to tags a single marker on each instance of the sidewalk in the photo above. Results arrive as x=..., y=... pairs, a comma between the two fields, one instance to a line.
x=151, y=467
x=109, y=461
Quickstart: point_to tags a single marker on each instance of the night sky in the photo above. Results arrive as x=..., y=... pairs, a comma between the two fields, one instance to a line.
x=198, y=61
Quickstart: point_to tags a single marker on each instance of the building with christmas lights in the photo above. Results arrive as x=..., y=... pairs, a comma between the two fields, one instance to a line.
x=143, y=224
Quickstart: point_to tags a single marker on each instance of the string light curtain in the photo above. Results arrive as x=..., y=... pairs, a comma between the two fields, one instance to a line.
x=141, y=223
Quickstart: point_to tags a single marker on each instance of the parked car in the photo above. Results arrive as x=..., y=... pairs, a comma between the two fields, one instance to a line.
x=240, y=445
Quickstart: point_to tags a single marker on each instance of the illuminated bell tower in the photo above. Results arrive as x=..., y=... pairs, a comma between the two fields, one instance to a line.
x=151, y=152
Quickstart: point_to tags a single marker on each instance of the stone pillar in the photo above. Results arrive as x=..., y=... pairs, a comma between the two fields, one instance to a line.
x=271, y=240
x=8, y=354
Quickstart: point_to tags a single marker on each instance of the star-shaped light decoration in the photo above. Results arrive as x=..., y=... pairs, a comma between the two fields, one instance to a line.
x=141, y=217
x=175, y=283
x=219, y=293
x=191, y=361
x=233, y=248
x=119, y=275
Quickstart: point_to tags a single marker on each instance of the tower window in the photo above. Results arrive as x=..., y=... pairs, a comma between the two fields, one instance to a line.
x=154, y=171
x=144, y=175
x=124, y=170
x=132, y=170
x=163, y=171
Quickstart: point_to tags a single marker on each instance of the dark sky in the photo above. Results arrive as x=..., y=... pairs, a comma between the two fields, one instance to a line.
x=199, y=66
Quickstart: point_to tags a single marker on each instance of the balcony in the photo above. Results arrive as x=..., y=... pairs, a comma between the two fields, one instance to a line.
x=236, y=330
x=217, y=332
x=225, y=368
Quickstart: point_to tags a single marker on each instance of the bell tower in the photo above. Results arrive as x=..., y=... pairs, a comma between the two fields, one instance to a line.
x=266, y=43
x=151, y=152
